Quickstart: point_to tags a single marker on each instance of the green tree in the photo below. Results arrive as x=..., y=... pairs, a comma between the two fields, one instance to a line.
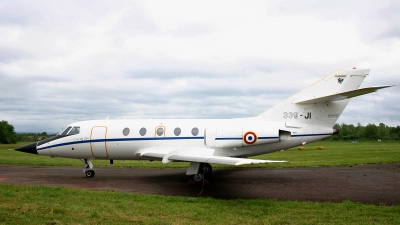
x=371, y=131
x=383, y=131
x=349, y=132
x=7, y=133
x=395, y=133
x=360, y=130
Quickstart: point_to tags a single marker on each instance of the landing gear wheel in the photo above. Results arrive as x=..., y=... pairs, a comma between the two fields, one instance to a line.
x=205, y=168
x=198, y=178
x=89, y=173
x=88, y=168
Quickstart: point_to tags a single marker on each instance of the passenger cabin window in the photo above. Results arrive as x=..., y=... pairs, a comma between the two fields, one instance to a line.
x=177, y=131
x=195, y=131
x=142, y=131
x=126, y=131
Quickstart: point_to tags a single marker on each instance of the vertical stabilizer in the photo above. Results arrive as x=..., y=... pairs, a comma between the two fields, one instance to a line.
x=323, y=114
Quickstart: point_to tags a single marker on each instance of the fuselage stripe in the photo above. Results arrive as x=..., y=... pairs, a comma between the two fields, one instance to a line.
x=239, y=138
x=120, y=139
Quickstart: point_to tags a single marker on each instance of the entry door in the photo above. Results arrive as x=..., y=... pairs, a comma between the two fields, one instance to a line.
x=98, y=145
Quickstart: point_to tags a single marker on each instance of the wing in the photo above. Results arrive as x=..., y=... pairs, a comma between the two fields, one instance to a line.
x=200, y=155
x=343, y=95
x=219, y=160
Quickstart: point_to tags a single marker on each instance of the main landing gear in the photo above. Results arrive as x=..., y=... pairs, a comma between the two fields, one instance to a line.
x=88, y=168
x=204, y=170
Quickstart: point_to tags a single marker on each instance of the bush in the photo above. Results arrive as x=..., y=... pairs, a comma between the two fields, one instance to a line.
x=7, y=133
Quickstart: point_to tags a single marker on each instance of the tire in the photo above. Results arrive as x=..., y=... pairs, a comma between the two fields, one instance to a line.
x=89, y=173
x=198, y=178
x=206, y=168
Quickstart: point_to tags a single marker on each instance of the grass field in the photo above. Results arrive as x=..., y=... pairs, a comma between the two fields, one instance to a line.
x=46, y=205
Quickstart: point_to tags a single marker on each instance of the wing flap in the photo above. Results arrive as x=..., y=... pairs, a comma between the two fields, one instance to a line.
x=343, y=95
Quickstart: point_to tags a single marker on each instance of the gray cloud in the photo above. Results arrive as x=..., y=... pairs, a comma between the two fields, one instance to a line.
x=391, y=17
x=8, y=55
x=17, y=14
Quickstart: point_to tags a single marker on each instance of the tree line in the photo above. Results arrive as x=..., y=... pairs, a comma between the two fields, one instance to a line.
x=9, y=136
x=369, y=132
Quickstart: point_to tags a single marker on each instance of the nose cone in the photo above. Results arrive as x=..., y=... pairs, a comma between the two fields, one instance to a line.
x=31, y=148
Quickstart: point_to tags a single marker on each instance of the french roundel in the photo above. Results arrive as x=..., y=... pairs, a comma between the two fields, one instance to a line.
x=250, y=138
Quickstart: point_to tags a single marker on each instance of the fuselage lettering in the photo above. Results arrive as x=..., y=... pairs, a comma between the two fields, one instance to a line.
x=290, y=115
x=308, y=116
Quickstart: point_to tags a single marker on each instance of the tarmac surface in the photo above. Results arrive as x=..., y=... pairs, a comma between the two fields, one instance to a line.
x=371, y=184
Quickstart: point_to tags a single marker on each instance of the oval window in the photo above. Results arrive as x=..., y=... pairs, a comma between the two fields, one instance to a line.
x=160, y=131
x=177, y=131
x=126, y=131
x=142, y=131
x=195, y=131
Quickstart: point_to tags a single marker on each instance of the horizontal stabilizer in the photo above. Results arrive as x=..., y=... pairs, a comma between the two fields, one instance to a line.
x=343, y=95
x=219, y=160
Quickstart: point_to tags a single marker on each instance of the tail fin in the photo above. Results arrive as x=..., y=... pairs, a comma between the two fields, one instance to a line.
x=322, y=102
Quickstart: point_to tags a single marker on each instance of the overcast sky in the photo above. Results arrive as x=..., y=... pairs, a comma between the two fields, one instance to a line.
x=66, y=61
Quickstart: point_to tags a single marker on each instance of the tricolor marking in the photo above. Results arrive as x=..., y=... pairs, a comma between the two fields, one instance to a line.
x=250, y=137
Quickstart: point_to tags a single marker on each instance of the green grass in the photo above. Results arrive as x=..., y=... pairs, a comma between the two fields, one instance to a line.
x=338, y=154
x=334, y=154
x=45, y=205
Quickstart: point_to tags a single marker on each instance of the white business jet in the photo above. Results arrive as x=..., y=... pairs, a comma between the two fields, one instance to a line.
x=307, y=116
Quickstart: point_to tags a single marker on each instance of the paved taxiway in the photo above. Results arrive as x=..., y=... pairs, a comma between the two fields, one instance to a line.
x=373, y=184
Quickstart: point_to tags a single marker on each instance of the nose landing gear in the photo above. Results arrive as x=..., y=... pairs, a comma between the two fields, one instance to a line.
x=89, y=173
x=88, y=168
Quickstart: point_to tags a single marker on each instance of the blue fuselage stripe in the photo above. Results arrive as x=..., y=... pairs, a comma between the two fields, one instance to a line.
x=239, y=138
x=121, y=139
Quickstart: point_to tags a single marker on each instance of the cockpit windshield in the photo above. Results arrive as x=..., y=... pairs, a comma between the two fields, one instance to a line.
x=65, y=132
x=70, y=131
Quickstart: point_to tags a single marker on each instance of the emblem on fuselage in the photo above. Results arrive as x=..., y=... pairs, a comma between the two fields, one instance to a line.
x=250, y=137
x=340, y=80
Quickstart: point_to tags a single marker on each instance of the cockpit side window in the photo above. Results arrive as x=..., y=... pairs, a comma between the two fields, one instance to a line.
x=65, y=132
x=70, y=131
x=74, y=130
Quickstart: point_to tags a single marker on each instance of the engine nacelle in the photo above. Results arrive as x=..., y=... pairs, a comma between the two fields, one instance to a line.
x=238, y=136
